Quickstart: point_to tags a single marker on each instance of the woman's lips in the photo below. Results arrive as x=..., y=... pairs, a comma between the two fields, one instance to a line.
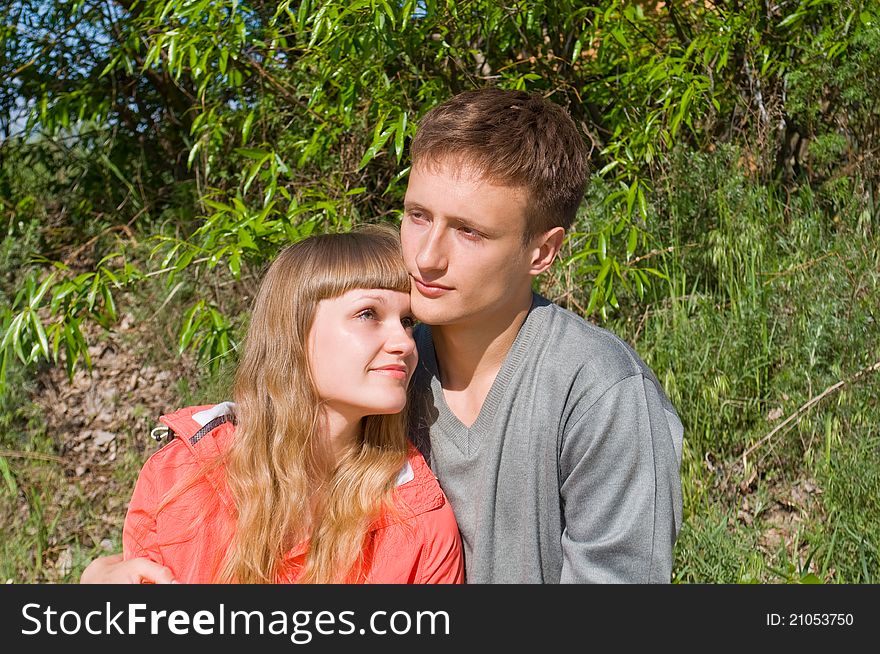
x=396, y=372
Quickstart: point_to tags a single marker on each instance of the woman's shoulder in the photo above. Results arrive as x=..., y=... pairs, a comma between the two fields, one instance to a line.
x=418, y=542
x=197, y=435
x=417, y=484
x=418, y=500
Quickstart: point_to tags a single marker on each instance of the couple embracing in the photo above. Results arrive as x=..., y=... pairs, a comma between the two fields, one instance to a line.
x=502, y=439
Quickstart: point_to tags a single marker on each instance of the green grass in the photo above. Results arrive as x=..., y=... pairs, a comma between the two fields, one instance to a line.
x=767, y=305
x=849, y=544
x=31, y=537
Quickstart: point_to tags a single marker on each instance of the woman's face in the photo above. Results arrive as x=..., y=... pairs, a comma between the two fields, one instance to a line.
x=362, y=353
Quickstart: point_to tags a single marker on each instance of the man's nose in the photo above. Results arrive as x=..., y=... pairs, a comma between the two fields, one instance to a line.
x=432, y=251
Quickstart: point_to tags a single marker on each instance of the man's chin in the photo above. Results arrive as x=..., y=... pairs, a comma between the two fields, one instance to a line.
x=434, y=318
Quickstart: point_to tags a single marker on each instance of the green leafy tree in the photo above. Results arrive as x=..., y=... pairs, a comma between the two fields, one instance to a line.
x=226, y=129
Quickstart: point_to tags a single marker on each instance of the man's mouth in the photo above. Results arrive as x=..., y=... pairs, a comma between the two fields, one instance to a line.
x=430, y=290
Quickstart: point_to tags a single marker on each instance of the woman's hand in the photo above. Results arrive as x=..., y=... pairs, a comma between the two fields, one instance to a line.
x=113, y=570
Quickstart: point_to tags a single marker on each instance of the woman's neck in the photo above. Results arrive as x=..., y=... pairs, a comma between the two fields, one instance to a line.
x=339, y=433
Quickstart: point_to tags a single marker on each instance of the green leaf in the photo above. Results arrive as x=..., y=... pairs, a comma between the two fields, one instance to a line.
x=643, y=203
x=110, y=276
x=7, y=472
x=682, y=110
x=603, y=271
x=246, y=127
x=253, y=171
x=41, y=334
x=576, y=51
x=38, y=296
x=235, y=263
x=63, y=290
x=376, y=147
x=55, y=331
x=631, y=196
x=608, y=168
x=246, y=241
x=16, y=336
x=93, y=292
x=12, y=330
x=109, y=303
x=631, y=241
x=810, y=578
x=172, y=54
x=192, y=153
x=400, y=135
x=4, y=358
x=254, y=153
x=594, y=300
x=217, y=206
x=190, y=326
x=791, y=19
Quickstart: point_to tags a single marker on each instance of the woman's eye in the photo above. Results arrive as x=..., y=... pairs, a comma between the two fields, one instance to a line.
x=408, y=322
x=367, y=314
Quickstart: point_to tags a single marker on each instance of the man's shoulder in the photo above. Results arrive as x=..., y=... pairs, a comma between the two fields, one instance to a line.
x=572, y=342
x=599, y=364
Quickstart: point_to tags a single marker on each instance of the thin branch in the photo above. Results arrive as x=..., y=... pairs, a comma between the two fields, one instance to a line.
x=654, y=253
x=801, y=266
x=796, y=416
x=17, y=454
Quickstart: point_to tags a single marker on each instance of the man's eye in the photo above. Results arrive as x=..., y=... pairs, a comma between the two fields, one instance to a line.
x=416, y=215
x=467, y=232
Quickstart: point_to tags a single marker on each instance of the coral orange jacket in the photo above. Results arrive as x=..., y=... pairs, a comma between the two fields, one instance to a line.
x=191, y=533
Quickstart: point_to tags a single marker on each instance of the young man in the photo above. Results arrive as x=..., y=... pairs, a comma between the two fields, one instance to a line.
x=555, y=444
x=553, y=441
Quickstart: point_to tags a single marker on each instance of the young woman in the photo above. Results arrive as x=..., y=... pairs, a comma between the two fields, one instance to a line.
x=309, y=476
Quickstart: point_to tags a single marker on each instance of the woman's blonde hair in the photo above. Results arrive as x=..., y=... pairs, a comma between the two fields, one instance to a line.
x=285, y=489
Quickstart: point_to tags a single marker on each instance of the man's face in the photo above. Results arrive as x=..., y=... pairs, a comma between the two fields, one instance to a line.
x=462, y=244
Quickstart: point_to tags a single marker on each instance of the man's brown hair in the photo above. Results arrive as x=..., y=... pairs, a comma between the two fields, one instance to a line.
x=513, y=138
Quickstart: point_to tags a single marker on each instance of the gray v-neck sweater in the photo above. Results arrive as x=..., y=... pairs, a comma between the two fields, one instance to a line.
x=570, y=472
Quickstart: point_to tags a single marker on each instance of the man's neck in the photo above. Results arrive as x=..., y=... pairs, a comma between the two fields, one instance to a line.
x=469, y=355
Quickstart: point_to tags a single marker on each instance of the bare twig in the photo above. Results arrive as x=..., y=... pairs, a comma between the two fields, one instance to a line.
x=806, y=406
x=641, y=324
x=169, y=269
x=167, y=300
x=800, y=266
x=17, y=454
x=114, y=228
x=654, y=253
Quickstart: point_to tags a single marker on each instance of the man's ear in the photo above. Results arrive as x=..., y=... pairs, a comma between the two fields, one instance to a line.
x=544, y=249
